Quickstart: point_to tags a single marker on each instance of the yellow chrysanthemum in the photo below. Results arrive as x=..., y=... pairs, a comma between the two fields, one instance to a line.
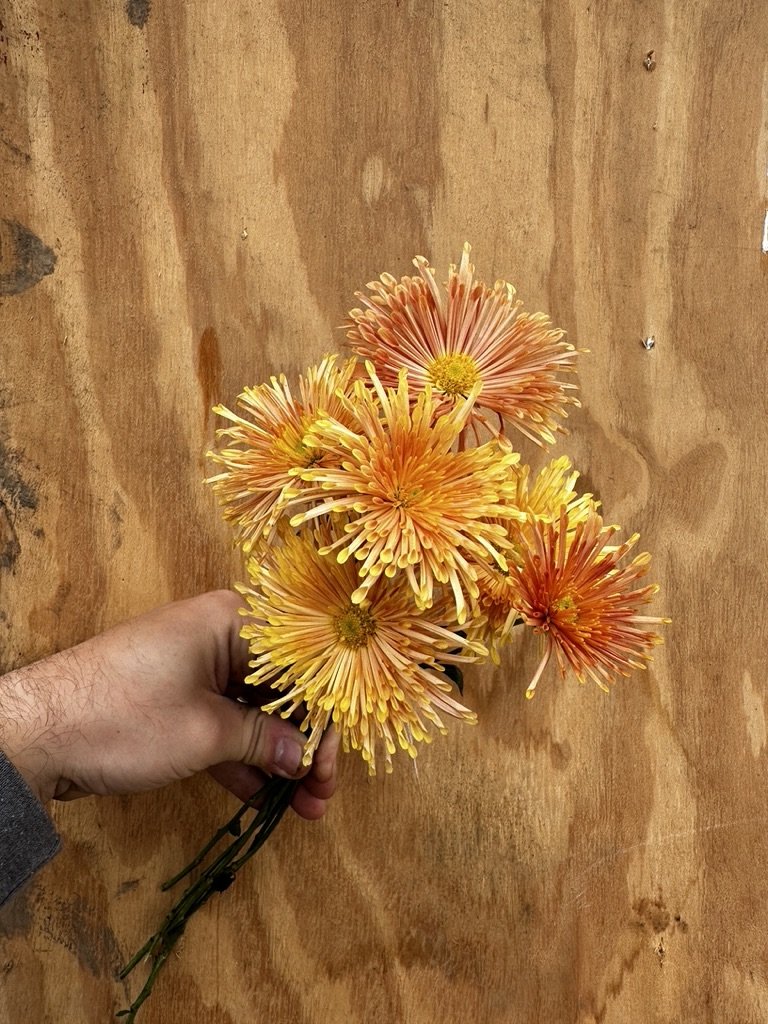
x=573, y=592
x=465, y=335
x=415, y=505
x=371, y=668
x=266, y=448
x=553, y=489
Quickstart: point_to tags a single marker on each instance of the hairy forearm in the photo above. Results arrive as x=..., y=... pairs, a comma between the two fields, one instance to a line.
x=33, y=727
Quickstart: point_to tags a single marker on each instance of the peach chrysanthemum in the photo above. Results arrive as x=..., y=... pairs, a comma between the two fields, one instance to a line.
x=468, y=334
x=414, y=504
x=266, y=448
x=371, y=668
x=573, y=592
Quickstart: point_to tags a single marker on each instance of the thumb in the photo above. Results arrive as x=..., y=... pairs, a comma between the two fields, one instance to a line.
x=265, y=741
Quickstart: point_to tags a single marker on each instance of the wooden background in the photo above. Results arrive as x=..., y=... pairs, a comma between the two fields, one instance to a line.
x=190, y=193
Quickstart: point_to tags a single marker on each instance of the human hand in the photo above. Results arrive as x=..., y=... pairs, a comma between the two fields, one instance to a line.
x=146, y=703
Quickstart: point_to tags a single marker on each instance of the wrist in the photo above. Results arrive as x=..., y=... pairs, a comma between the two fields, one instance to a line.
x=28, y=731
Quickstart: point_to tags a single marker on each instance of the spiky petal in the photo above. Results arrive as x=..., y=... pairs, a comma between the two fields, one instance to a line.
x=415, y=505
x=466, y=333
x=265, y=449
x=373, y=668
x=573, y=592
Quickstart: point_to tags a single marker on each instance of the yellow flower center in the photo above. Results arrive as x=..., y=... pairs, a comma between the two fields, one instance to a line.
x=308, y=457
x=454, y=374
x=402, y=498
x=566, y=604
x=355, y=627
x=292, y=446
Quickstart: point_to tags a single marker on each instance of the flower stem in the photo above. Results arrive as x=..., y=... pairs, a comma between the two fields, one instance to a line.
x=232, y=827
x=273, y=800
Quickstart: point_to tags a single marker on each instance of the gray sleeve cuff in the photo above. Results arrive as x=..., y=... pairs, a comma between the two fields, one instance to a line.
x=28, y=839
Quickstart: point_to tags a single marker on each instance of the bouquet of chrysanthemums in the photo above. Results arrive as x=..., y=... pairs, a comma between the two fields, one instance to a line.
x=391, y=535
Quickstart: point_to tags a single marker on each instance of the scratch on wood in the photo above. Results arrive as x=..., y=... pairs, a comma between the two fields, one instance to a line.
x=660, y=841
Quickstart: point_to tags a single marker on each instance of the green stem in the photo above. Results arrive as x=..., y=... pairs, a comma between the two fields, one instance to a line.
x=274, y=799
x=232, y=828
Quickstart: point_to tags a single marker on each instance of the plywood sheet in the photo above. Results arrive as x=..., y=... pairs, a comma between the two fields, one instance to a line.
x=190, y=194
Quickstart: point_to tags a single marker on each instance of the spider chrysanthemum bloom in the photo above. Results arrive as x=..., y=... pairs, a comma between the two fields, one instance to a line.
x=573, y=592
x=497, y=608
x=552, y=490
x=373, y=669
x=465, y=334
x=415, y=505
x=265, y=447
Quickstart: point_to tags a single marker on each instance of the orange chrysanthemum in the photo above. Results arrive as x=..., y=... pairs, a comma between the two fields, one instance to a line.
x=267, y=446
x=415, y=505
x=371, y=668
x=469, y=334
x=572, y=591
x=552, y=490
x=497, y=609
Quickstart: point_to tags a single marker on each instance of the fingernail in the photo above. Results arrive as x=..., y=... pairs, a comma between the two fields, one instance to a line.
x=288, y=755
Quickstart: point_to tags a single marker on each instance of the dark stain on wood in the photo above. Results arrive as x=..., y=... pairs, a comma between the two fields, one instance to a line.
x=10, y=548
x=116, y=520
x=16, y=917
x=78, y=926
x=24, y=259
x=14, y=149
x=128, y=886
x=208, y=368
x=15, y=494
x=138, y=12
x=651, y=915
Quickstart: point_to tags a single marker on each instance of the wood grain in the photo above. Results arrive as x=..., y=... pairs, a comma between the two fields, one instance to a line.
x=190, y=194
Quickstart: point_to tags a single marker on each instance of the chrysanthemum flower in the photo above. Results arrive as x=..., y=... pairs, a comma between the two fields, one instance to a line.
x=415, y=505
x=468, y=334
x=497, y=609
x=552, y=490
x=266, y=446
x=371, y=668
x=575, y=595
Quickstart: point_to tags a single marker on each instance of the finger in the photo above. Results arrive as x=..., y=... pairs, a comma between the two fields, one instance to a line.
x=242, y=780
x=257, y=695
x=264, y=741
x=324, y=762
x=67, y=790
x=322, y=790
x=309, y=807
x=239, y=653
